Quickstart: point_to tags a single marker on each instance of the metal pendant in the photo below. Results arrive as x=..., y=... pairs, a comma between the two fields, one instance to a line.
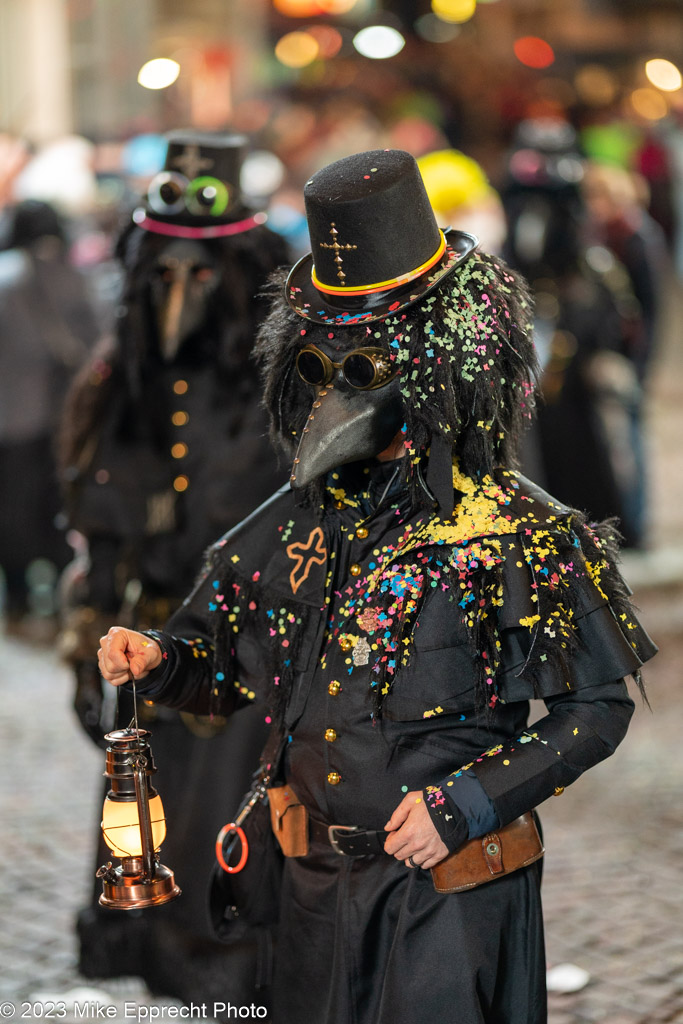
x=361, y=652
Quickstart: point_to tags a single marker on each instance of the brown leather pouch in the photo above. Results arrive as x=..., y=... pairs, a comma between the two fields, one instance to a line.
x=289, y=821
x=494, y=855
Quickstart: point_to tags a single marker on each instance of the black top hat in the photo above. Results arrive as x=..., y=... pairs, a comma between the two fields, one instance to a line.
x=198, y=195
x=376, y=245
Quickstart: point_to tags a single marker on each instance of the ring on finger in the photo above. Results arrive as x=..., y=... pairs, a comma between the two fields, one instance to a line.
x=412, y=863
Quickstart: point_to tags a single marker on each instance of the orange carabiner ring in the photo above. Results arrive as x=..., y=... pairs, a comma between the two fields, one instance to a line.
x=232, y=827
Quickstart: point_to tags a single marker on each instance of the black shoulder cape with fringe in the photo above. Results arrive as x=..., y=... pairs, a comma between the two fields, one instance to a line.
x=534, y=585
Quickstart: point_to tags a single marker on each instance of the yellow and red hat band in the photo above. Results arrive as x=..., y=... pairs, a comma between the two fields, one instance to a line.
x=381, y=286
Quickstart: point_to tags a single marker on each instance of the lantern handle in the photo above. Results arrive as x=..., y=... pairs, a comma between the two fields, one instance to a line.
x=139, y=764
x=135, y=708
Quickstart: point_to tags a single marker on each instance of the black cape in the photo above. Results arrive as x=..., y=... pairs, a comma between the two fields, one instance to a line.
x=439, y=633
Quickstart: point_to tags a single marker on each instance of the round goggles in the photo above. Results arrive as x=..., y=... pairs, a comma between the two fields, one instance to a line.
x=170, y=193
x=364, y=368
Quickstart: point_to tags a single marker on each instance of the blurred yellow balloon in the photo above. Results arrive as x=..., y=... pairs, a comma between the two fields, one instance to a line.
x=462, y=198
x=452, y=179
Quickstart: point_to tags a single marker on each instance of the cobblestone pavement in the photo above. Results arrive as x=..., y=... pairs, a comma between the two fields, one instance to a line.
x=613, y=882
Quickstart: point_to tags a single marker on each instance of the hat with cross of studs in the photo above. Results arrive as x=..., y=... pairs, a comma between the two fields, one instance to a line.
x=376, y=246
x=197, y=194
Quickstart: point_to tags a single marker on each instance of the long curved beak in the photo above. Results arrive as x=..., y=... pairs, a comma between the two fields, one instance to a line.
x=171, y=313
x=346, y=426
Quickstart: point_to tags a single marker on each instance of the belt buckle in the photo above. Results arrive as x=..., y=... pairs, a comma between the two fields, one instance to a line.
x=339, y=828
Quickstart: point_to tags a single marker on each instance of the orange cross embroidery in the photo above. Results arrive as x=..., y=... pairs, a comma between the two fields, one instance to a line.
x=298, y=550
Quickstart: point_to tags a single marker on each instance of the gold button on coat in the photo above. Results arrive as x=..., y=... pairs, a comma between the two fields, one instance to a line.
x=334, y=778
x=345, y=644
x=333, y=688
x=355, y=569
x=330, y=735
x=361, y=533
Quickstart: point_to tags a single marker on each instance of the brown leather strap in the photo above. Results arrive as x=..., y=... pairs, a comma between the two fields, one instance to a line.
x=493, y=852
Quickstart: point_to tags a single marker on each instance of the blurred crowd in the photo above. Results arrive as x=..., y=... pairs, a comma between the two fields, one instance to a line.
x=591, y=220
x=130, y=429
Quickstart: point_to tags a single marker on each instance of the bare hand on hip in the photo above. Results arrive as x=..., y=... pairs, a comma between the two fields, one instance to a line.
x=125, y=654
x=414, y=838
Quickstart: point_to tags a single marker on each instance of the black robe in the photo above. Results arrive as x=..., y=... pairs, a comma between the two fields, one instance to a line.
x=438, y=633
x=141, y=526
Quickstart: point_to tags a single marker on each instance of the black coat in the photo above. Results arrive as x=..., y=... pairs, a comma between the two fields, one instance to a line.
x=152, y=483
x=128, y=501
x=438, y=633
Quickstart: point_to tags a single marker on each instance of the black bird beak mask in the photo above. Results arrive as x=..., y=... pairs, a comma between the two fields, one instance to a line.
x=186, y=276
x=356, y=411
x=376, y=250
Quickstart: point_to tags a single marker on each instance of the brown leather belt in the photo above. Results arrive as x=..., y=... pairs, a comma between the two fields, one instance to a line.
x=492, y=856
x=477, y=861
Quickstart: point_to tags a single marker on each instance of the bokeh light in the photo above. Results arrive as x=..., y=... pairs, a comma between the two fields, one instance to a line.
x=379, y=42
x=533, y=52
x=455, y=11
x=144, y=155
x=313, y=8
x=663, y=74
x=434, y=30
x=336, y=6
x=158, y=73
x=595, y=85
x=329, y=39
x=262, y=173
x=298, y=8
x=649, y=103
x=613, y=143
x=296, y=49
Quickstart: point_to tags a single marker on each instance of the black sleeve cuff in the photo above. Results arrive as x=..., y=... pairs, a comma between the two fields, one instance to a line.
x=448, y=820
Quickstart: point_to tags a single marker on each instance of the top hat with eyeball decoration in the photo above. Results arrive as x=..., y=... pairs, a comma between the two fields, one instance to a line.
x=197, y=194
x=376, y=246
